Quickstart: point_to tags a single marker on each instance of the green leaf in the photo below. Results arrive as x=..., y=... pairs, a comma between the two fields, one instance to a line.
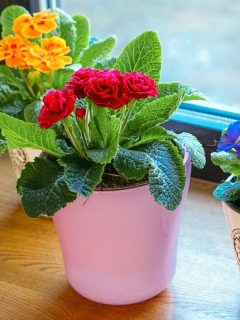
x=104, y=131
x=83, y=29
x=10, y=78
x=31, y=111
x=11, y=101
x=63, y=75
x=191, y=93
x=142, y=54
x=228, y=161
x=66, y=29
x=156, y=133
x=187, y=142
x=8, y=16
x=152, y=114
x=170, y=88
x=167, y=176
x=3, y=144
x=43, y=188
x=80, y=175
x=132, y=164
x=20, y=134
x=97, y=52
x=106, y=64
x=228, y=191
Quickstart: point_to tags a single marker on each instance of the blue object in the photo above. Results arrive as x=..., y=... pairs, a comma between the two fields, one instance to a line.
x=205, y=116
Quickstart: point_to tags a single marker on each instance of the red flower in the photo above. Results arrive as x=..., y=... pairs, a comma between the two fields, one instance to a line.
x=80, y=113
x=58, y=104
x=139, y=85
x=79, y=80
x=106, y=89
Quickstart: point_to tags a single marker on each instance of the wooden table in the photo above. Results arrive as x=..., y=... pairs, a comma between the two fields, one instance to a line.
x=33, y=285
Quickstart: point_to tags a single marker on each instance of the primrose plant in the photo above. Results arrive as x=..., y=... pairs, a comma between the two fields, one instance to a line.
x=106, y=123
x=228, y=158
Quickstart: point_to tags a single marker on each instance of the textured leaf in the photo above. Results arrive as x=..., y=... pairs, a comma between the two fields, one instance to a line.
x=156, y=133
x=67, y=30
x=83, y=29
x=228, y=161
x=106, y=64
x=228, y=191
x=81, y=176
x=132, y=164
x=187, y=142
x=170, y=88
x=8, y=16
x=142, y=54
x=20, y=134
x=167, y=177
x=104, y=130
x=43, y=188
x=63, y=75
x=7, y=75
x=31, y=111
x=11, y=102
x=97, y=52
x=152, y=114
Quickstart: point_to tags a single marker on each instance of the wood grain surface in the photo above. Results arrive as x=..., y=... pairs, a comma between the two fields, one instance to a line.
x=33, y=285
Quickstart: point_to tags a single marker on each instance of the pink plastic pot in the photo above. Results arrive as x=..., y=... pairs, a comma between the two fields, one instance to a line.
x=119, y=247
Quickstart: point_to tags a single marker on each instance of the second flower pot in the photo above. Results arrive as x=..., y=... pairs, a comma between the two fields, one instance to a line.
x=232, y=214
x=120, y=246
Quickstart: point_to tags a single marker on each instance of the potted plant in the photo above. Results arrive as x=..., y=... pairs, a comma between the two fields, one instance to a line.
x=40, y=52
x=113, y=179
x=228, y=158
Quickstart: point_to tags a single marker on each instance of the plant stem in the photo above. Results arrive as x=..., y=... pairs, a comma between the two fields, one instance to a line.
x=26, y=83
x=70, y=128
x=51, y=76
x=127, y=115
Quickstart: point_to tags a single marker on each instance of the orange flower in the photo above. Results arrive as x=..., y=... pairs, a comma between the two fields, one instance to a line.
x=13, y=50
x=32, y=27
x=50, y=56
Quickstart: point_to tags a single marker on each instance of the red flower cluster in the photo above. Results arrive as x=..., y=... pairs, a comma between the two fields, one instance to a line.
x=58, y=104
x=107, y=88
x=111, y=89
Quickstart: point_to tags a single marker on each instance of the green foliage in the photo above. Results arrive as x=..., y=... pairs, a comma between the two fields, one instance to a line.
x=80, y=175
x=187, y=142
x=156, y=133
x=97, y=52
x=228, y=191
x=82, y=39
x=132, y=164
x=43, y=188
x=66, y=29
x=7, y=75
x=31, y=111
x=142, y=54
x=11, y=102
x=228, y=162
x=170, y=88
x=3, y=144
x=104, y=132
x=63, y=75
x=152, y=114
x=20, y=134
x=8, y=16
x=167, y=175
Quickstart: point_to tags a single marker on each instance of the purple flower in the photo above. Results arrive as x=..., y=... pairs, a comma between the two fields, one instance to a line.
x=231, y=139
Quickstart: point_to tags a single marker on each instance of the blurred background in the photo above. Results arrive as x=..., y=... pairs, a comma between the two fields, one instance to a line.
x=200, y=39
